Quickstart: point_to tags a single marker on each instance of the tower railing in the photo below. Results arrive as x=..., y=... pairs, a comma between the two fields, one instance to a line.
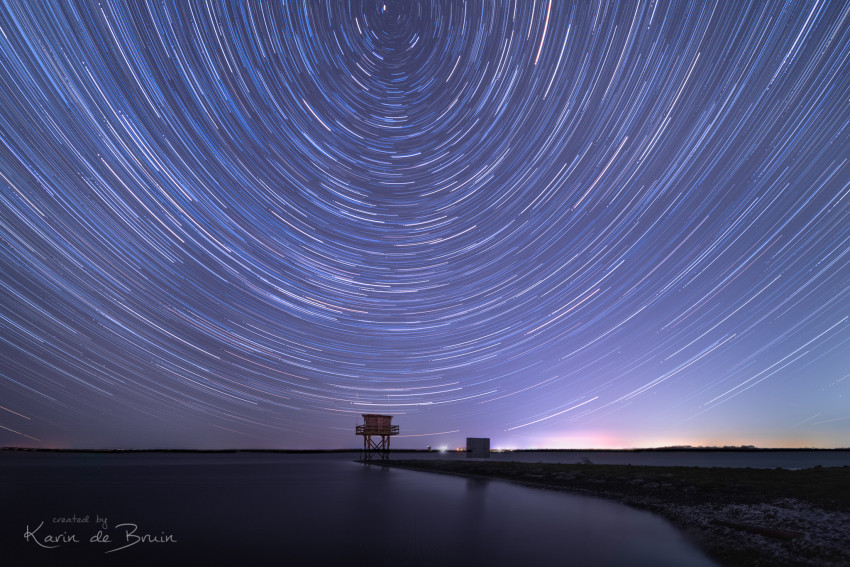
x=377, y=430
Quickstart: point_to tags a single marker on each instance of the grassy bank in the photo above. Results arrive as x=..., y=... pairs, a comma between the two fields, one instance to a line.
x=739, y=516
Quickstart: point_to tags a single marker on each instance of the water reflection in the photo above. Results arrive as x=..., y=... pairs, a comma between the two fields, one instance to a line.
x=323, y=509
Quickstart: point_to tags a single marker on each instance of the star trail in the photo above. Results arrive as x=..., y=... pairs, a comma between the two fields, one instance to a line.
x=555, y=224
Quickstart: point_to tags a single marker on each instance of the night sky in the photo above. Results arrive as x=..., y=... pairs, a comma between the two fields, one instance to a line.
x=551, y=224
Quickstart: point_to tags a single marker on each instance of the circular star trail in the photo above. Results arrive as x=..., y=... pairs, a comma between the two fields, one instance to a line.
x=245, y=224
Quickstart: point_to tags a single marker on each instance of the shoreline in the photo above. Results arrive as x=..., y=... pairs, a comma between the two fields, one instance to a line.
x=683, y=449
x=738, y=517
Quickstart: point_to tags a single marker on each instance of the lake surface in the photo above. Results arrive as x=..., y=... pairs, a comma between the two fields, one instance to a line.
x=325, y=509
x=801, y=459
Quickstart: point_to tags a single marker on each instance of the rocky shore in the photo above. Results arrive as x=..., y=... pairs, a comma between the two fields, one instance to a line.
x=740, y=517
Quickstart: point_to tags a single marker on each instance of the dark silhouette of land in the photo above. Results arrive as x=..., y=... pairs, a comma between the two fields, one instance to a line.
x=739, y=516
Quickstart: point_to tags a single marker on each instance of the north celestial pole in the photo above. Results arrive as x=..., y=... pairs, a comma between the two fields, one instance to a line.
x=553, y=224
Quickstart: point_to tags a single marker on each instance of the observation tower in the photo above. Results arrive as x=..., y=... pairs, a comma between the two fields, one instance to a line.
x=376, y=431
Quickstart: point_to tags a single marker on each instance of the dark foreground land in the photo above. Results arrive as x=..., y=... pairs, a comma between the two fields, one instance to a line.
x=739, y=516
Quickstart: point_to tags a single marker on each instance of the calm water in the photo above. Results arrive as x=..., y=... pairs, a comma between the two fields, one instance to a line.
x=752, y=459
x=306, y=510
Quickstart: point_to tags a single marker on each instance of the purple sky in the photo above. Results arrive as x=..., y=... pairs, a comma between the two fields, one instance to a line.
x=551, y=225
